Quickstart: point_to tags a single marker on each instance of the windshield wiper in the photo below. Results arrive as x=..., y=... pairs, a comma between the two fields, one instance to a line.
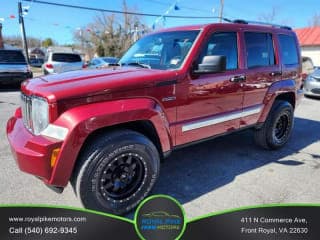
x=143, y=65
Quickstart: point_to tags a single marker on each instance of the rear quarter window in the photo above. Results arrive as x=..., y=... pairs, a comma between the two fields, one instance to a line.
x=64, y=57
x=288, y=49
x=11, y=57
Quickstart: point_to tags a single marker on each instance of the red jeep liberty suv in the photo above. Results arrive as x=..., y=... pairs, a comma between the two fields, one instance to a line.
x=106, y=130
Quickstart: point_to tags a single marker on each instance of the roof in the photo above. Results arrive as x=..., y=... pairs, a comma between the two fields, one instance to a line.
x=181, y=28
x=252, y=26
x=309, y=36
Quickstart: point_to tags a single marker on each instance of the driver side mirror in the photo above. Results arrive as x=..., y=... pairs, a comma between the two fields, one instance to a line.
x=212, y=64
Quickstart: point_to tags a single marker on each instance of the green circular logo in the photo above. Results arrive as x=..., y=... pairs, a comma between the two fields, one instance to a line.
x=160, y=217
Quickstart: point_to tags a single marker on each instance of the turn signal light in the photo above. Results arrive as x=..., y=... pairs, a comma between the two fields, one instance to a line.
x=54, y=156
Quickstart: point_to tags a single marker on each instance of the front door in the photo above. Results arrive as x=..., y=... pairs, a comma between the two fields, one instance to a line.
x=211, y=103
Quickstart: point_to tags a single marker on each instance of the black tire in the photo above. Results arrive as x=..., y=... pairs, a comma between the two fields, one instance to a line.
x=116, y=172
x=276, y=130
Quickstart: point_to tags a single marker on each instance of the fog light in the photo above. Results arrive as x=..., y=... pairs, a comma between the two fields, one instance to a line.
x=54, y=156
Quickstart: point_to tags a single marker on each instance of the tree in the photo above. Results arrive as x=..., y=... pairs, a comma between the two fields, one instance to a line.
x=269, y=17
x=113, y=33
x=315, y=20
x=17, y=42
x=47, y=42
x=100, y=50
x=272, y=17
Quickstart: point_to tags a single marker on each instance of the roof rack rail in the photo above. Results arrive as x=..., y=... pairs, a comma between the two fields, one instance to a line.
x=241, y=21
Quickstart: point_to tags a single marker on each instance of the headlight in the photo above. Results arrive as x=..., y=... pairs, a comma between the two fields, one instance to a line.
x=40, y=114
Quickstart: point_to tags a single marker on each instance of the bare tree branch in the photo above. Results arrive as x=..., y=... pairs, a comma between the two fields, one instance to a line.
x=315, y=20
x=269, y=17
x=109, y=34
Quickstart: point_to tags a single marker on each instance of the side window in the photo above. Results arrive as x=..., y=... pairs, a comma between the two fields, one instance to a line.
x=223, y=44
x=288, y=49
x=260, y=50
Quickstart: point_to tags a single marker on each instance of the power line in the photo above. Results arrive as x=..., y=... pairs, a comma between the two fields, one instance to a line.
x=182, y=6
x=116, y=11
x=173, y=6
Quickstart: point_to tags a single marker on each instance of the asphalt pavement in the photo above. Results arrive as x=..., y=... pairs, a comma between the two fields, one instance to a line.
x=224, y=173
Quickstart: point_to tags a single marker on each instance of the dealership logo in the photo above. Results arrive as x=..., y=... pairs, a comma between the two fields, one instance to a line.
x=160, y=217
x=160, y=221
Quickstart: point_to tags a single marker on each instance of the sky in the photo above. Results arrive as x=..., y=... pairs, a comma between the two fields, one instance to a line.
x=59, y=23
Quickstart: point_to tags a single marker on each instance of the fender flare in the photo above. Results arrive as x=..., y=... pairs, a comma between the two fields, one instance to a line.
x=276, y=89
x=81, y=121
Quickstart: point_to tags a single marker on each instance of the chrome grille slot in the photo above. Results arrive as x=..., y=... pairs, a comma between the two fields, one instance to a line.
x=26, y=106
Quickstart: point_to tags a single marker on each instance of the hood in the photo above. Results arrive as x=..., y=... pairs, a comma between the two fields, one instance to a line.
x=85, y=83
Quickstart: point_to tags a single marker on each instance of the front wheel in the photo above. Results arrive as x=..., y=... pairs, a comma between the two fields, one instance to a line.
x=277, y=129
x=116, y=172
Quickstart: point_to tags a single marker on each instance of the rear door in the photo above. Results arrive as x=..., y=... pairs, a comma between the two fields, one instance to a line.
x=263, y=68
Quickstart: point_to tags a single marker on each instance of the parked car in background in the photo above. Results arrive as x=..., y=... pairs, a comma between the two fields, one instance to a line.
x=36, y=62
x=307, y=67
x=311, y=85
x=58, y=62
x=100, y=62
x=13, y=67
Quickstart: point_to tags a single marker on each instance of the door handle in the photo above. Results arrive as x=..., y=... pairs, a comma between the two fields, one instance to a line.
x=276, y=73
x=240, y=78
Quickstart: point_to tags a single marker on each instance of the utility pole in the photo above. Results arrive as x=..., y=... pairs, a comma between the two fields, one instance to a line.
x=1, y=39
x=23, y=31
x=221, y=9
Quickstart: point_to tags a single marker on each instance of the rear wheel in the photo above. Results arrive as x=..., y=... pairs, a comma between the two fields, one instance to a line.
x=116, y=172
x=277, y=129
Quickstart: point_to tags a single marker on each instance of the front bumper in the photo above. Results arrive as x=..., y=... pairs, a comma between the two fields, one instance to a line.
x=312, y=88
x=32, y=153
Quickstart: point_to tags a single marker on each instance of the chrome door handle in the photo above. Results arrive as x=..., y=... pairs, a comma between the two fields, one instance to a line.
x=277, y=73
x=240, y=78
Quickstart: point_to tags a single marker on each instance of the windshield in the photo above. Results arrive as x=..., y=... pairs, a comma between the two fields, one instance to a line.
x=165, y=50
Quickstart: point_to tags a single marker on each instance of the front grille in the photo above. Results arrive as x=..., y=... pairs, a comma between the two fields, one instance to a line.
x=26, y=107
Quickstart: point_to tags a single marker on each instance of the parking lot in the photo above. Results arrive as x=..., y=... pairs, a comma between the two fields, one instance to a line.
x=224, y=173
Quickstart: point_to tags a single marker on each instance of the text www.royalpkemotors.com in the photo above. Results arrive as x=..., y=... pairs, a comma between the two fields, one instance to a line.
x=44, y=219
